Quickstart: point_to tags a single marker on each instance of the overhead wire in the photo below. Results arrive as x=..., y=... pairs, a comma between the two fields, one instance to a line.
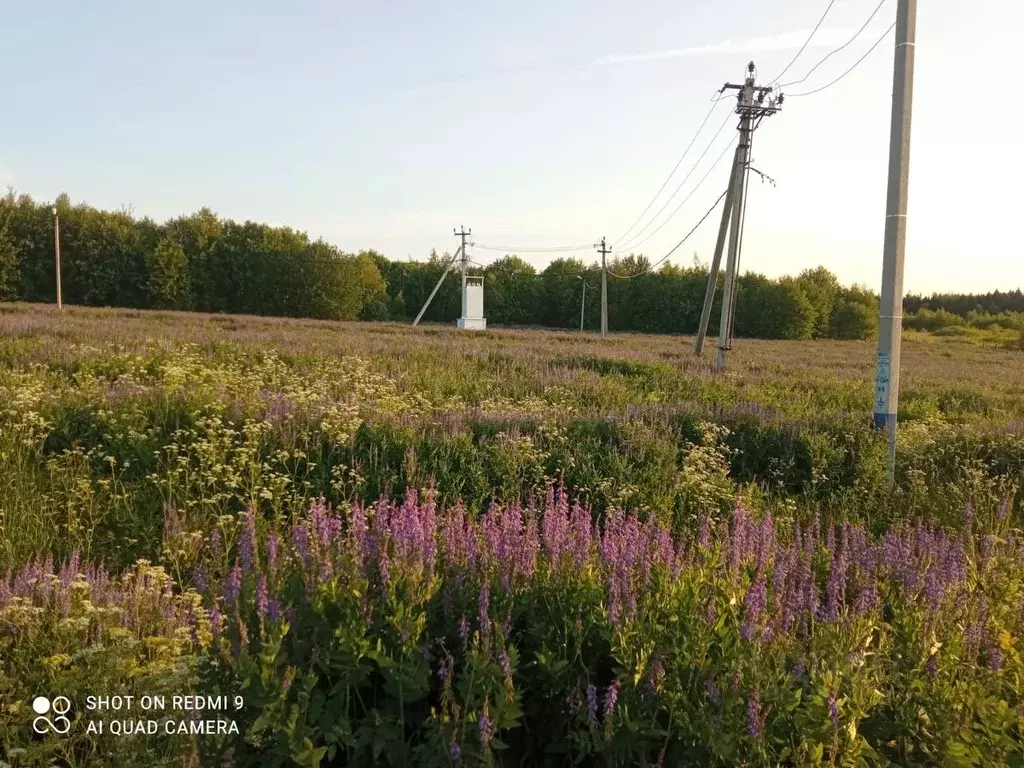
x=684, y=200
x=714, y=103
x=677, y=245
x=855, y=65
x=632, y=241
x=806, y=43
x=531, y=249
x=858, y=33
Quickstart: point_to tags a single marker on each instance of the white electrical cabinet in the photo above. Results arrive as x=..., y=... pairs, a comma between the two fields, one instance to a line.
x=473, y=303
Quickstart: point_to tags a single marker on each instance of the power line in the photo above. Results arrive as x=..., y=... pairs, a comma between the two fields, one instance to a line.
x=837, y=50
x=528, y=249
x=855, y=65
x=685, y=199
x=677, y=245
x=682, y=157
x=631, y=242
x=806, y=43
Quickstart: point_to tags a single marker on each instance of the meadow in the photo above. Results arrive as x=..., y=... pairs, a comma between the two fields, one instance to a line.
x=424, y=547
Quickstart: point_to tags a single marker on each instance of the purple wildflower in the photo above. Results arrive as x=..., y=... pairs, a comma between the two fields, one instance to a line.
x=216, y=619
x=247, y=545
x=754, y=603
x=262, y=597
x=506, y=664
x=833, y=708
x=454, y=752
x=483, y=606
x=933, y=666
x=994, y=657
x=656, y=676
x=464, y=629
x=1004, y=509
x=704, y=536
x=199, y=579
x=272, y=546
x=611, y=697
x=485, y=725
x=300, y=542
x=755, y=717
x=215, y=541
x=233, y=583
x=592, y=701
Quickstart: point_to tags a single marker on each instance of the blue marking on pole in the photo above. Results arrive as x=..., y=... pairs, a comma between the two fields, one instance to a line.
x=882, y=418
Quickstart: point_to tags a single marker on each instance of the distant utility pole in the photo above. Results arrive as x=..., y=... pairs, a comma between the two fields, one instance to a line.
x=890, y=313
x=465, y=264
x=604, y=250
x=753, y=102
x=56, y=253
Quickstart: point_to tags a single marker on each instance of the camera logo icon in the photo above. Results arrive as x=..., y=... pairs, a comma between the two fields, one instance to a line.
x=60, y=706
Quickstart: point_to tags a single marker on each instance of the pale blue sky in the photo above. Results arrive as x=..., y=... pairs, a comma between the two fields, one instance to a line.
x=385, y=124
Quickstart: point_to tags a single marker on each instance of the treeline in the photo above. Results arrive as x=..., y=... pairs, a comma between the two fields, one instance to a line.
x=204, y=263
x=961, y=304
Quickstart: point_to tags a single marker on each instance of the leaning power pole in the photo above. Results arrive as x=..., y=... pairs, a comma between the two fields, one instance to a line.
x=753, y=102
x=890, y=313
x=604, y=250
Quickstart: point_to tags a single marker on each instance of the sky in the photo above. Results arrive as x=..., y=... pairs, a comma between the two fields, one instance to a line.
x=536, y=124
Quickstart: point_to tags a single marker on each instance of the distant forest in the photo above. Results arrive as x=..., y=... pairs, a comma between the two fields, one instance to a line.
x=202, y=262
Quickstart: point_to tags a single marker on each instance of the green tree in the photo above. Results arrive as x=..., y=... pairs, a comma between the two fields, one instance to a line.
x=773, y=309
x=360, y=284
x=168, y=278
x=561, y=291
x=396, y=309
x=853, y=320
x=822, y=290
x=10, y=272
x=511, y=291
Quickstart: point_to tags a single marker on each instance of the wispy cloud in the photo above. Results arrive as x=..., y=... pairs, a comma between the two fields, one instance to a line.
x=783, y=42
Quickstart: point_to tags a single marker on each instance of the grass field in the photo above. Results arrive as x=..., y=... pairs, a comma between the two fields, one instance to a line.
x=427, y=547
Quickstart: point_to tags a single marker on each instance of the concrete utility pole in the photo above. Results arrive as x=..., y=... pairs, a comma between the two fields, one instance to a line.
x=723, y=230
x=753, y=102
x=56, y=253
x=890, y=314
x=465, y=264
x=604, y=250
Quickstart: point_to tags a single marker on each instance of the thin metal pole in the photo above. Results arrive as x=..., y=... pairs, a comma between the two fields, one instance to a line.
x=583, y=304
x=723, y=229
x=890, y=313
x=56, y=253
